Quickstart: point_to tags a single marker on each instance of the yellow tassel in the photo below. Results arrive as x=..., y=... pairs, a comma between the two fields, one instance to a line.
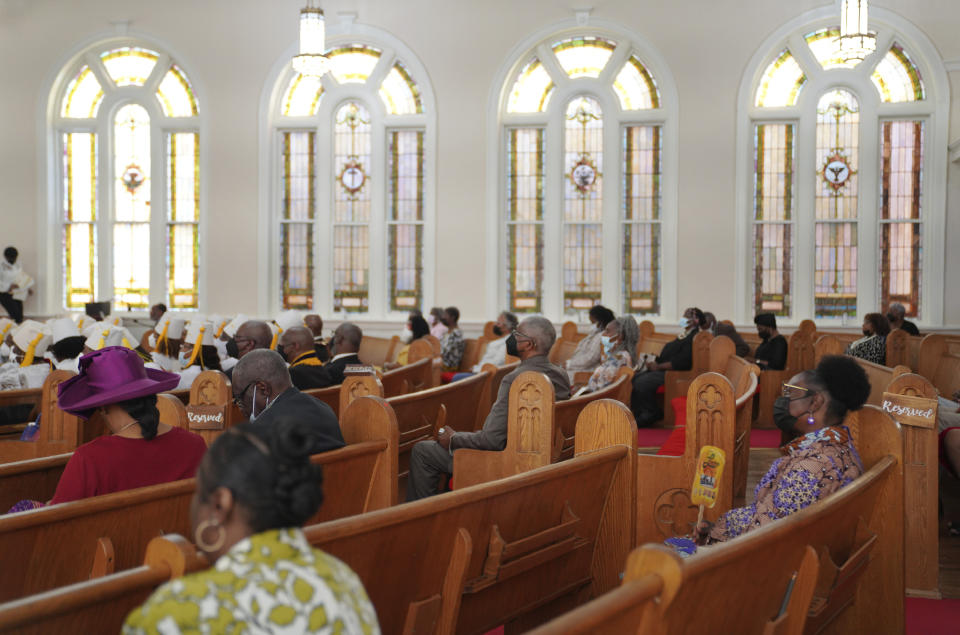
x=196, y=347
x=276, y=337
x=5, y=329
x=31, y=350
x=125, y=343
x=80, y=323
x=163, y=334
x=220, y=330
x=103, y=339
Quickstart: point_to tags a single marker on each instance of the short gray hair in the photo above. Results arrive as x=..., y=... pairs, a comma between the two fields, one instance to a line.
x=541, y=331
x=264, y=365
x=898, y=310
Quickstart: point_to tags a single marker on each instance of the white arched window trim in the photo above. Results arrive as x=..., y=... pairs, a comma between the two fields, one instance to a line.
x=50, y=189
x=600, y=88
x=391, y=49
x=934, y=109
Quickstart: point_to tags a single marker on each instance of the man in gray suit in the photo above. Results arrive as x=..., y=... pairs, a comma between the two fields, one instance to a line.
x=431, y=462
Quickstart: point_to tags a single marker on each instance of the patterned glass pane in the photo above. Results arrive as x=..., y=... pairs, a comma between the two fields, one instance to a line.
x=129, y=66
x=900, y=212
x=641, y=214
x=302, y=96
x=835, y=274
x=352, y=206
x=296, y=230
x=583, y=204
x=635, y=86
x=531, y=92
x=400, y=93
x=897, y=78
x=583, y=56
x=183, y=209
x=353, y=64
x=524, y=192
x=773, y=209
x=781, y=82
x=80, y=210
x=176, y=94
x=405, y=200
x=823, y=45
x=131, y=231
x=83, y=96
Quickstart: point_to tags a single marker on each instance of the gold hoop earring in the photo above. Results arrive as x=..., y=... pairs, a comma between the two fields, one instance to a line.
x=206, y=546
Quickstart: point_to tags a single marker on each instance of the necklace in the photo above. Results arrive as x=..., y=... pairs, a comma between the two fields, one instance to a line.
x=125, y=427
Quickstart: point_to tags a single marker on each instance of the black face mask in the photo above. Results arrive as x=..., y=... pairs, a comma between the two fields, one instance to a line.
x=781, y=414
x=765, y=336
x=282, y=354
x=891, y=317
x=512, y=346
x=232, y=349
x=497, y=330
x=867, y=333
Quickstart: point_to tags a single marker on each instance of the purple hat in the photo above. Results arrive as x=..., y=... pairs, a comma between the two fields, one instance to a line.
x=111, y=375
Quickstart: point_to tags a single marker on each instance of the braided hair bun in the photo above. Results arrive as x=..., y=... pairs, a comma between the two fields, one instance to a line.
x=845, y=381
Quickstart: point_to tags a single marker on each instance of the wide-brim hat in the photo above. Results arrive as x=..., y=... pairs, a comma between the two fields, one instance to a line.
x=111, y=375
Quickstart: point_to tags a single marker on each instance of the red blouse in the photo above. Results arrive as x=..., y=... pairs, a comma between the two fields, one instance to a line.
x=112, y=464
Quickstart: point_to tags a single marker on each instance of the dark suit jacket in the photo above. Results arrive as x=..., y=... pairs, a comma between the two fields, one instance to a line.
x=493, y=435
x=323, y=354
x=293, y=404
x=742, y=348
x=331, y=373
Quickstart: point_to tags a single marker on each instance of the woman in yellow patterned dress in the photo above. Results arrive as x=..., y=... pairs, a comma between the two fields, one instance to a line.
x=255, y=488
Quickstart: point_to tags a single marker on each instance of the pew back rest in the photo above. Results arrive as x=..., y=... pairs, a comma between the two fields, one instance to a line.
x=378, y=350
x=939, y=361
x=499, y=372
x=566, y=413
x=415, y=375
x=31, y=479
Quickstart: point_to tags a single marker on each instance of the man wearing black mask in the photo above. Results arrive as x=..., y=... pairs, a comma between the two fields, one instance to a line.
x=772, y=353
x=250, y=336
x=296, y=348
x=432, y=461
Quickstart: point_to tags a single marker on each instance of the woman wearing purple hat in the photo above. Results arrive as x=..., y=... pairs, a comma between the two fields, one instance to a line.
x=139, y=451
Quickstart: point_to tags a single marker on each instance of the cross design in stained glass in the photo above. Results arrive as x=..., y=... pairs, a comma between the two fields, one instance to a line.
x=584, y=174
x=836, y=170
x=352, y=177
x=132, y=178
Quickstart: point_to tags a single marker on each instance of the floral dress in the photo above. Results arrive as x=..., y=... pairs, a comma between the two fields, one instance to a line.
x=816, y=465
x=873, y=349
x=606, y=372
x=272, y=582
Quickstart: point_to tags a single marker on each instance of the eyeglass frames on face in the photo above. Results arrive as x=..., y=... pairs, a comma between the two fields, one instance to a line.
x=238, y=399
x=786, y=390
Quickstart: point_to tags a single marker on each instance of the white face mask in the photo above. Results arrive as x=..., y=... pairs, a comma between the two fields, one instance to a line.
x=406, y=336
x=431, y=319
x=683, y=322
x=183, y=359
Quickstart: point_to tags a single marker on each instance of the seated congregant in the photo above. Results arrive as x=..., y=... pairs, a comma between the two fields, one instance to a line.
x=815, y=464
x=139, y=450
x=715, y=328
x=896, y=316
x=166, y=347
x=415, y=329
x=27, y=367
x=315, y=323
x=676, y=355
x=248, y=336
x=157, y=311
x=872, y=347
x=771, y=353
x=297, y=349
x=66, y=344
x=435, y=319
x=588, y=353
x=344, y=347
x=264, y=393
x=948, y=427
x=197, y=353
x=452, y=343
x=496, y=352
x=619, y=342
x=431, y=462
x=255, y=488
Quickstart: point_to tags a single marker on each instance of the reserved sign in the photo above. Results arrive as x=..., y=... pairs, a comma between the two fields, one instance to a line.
x=205, y=417
x=918, y=412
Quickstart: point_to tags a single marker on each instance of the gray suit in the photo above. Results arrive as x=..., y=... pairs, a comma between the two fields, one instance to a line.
x=430, y=463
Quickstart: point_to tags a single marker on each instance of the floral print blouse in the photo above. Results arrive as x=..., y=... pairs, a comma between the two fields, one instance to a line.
x=816, y=465
x=873, y=349
x=451, y=350
x=271, y=582
x=606, y=372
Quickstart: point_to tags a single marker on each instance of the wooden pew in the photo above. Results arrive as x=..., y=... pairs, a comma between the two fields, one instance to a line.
x=494, y=557
x=59, y=432
x=846, y=550
x=651, y=342
x=939, y=361
x=566, y=344
x=676, y=382
x=338, y=397
x=800, y=357
x=61, y=544
x=565, y=413
x=414, y=376
x=378, y=350
x=499, y=372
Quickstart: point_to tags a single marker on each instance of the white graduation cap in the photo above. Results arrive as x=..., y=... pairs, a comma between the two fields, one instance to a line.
x=200, y=331
x=31, y=338
x=231, y=328
x=289, y=319
x=62, y=328
x=109, y=335
x=170, y=325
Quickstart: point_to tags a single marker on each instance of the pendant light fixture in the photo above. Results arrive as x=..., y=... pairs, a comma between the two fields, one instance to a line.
x=856, y=41
x=311, y=60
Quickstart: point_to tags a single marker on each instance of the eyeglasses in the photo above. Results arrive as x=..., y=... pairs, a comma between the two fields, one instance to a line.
x=517, y=333
x=786, y=390
x=238, y=399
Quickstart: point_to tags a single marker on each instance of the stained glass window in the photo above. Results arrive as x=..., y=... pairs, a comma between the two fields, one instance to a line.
x=296, y=225
x=405, y=223
x=353, y=64
x=525, y=158
x=642, y=152
x=774, y=155
x=115, y=256
x=583, y=56
x=129, y=66
x=399, y=92
x=835, y=205
x=823, y=45
x=131, y=227
x=531, y=92
x=352, y=207
x=635, y=86
x=583, y=205
x=897, y=78
x=900, y=213
x=781, y=82
x=80, y=215
x=183, y=216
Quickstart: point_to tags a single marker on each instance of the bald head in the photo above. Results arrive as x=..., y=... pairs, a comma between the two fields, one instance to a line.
x=540, y=330
x=296, y=341
x=315, y=323
x=347, y=338
x=251, y=335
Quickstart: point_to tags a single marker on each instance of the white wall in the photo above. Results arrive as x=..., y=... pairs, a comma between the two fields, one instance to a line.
x=229, y=47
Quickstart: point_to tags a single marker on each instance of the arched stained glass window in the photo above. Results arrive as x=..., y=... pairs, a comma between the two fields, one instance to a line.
x=605, y=207
x=839, y=248
x=352, y=160
x=150, y=132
